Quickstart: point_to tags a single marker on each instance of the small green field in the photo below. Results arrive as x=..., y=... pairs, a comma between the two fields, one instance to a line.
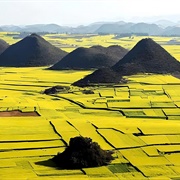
x=139, y=120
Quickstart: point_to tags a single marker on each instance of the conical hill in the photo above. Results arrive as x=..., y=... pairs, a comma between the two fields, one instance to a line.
x=91, y=58
x=100, y=76
x=147, y=57
x=31, y=51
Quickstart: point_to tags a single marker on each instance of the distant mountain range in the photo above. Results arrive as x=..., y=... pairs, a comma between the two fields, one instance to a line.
x=161, y=27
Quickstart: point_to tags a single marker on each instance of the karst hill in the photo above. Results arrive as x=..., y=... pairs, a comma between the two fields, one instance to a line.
x=31, y=51
x=104, y=75
x=91, y=58
x=147, y=57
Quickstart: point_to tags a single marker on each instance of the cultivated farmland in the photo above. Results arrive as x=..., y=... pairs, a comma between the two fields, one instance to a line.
x=138, y=120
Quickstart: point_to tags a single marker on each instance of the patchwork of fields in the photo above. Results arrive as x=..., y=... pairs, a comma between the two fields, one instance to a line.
x=139, y=120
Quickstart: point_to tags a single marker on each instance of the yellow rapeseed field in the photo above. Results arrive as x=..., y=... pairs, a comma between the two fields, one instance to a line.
x=139, y=121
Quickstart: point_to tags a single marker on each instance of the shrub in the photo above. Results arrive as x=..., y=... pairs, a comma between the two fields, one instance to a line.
x=56, y=89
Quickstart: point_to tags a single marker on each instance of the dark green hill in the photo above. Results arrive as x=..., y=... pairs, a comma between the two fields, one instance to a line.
x=93, y=57
x=100, y=76
x=147, y=57
x=31, y=51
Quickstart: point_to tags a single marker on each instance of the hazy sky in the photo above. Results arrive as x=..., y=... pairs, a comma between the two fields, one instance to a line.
x=75, y=12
